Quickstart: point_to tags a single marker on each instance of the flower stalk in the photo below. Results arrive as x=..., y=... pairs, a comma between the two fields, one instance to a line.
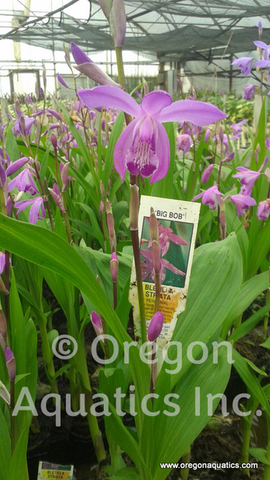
x=133, y=215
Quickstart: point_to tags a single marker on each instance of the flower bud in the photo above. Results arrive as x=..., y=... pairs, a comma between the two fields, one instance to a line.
x=54, y=141
x=114, y=266
x=57, y=197
x=228, y=158
x=260, y=29
x=96, y=322
x=155, y=326
x=207, y=172
x=64, y=176
x=61, y=80
x=153, y=226
x=110, y=220
x=221, y=134
x=117, y=22
x=3, y=325
x=101, y=208
x=11, y=364
x=155, y=255
x=207, y=133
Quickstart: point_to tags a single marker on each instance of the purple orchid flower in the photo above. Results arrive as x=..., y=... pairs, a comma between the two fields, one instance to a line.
x=37, y=203
x=57, y=197
x=242, y=203
x=209, y=197
x=244, y=63
x=249, y=92
x=237, y=130
x=143, y=148
x=266, y=54
x=249, y=177
x=24, y=183
x=184, y=143
x=18, y=130
x=263, y=211
x=86, y=66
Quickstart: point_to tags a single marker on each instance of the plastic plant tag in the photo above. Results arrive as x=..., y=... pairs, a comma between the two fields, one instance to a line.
x=177, y=227
x=50, y=471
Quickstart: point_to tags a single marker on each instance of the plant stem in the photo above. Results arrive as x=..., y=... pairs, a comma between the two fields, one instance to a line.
x=66, y=219
x=134, y=200
x=114, y=295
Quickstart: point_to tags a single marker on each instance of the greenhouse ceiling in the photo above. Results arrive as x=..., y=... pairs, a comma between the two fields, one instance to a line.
x=174, y=31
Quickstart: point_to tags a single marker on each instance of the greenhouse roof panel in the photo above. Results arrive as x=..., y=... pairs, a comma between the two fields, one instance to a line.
x=178, y=30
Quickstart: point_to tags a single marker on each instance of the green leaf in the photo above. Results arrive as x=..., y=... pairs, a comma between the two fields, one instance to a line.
x=174, y=434
x=128, y=473
x=18, y=466
x=249, y=324
x=17, y=329
x=260, y=248
x=127, y=443
x=259, y=454
x=5, y=453
x=249, y=291
x=11, y=145
x=250, y=380
x=47, y=249
x=215, y=281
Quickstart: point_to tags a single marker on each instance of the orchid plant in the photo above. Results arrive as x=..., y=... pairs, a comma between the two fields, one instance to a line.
x=69, y=196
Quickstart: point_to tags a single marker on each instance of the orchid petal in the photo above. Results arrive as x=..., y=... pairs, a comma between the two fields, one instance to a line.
x=155, y=101
x=15, y=166
x=34, y=211
x=262, y=63
x=110, y=97
x=122, y=146
x=163, y=153
x=198, y=113
x=23, y=204
x=260, y=44
x=94, y=72
x=78, y=54
x=197, y=196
